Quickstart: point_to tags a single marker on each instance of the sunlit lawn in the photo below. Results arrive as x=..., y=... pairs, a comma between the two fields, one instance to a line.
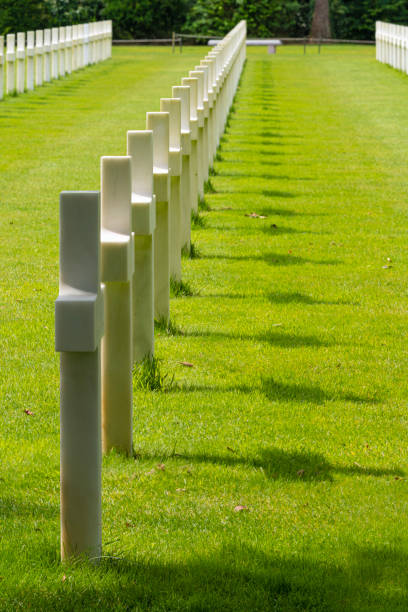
x=272, y=475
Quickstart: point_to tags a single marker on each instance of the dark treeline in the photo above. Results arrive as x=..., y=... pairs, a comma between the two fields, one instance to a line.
x=350, y=19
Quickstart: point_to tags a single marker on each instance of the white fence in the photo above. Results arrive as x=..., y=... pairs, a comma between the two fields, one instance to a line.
x=129, y=236
x=32, y=58
x=392, y=45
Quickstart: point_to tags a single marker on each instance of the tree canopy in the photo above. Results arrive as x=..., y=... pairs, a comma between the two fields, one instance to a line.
x=349, y=19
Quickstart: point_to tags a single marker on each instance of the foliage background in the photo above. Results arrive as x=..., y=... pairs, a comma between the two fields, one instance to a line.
x=351, y=19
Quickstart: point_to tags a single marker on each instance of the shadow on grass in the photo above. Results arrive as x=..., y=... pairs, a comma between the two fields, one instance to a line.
x=257, y=150
x=268, y=153
x=234, y=576
x=275, y=193
x=269, y=230
x=300, y=298
x=30, y=509
x=272, y=118
x=275, y=338
x=274, y=259
x=285, y=212
x=269, y=211
x=228, y=296
x=282, y=340
x=276, y=391
x=279, y=259
x=274, y=230
x=281, y=464
x=292, y=392
x=261, y=175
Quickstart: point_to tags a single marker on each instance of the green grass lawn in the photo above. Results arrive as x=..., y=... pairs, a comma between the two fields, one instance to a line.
x=296, y=407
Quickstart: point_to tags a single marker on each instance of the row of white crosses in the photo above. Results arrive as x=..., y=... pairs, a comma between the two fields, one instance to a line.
x=33, y=58
x=118, y=250
x=392, y=45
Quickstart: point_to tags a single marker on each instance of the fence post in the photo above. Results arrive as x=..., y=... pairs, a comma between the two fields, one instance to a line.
x=1, y=67
x=39, y=51
x=109, y=38
x=173, y=107
x=61, y=67
x=47, y=55
x=20, y=77
x=209, y=64
x=378, y=38
x=159, y=124
x=117, y=272
x=105, y=45
x=201, y=130
x=94, y=38
x=98, y=40
x=11, y=58
x=98, y=43
x=396, y=47
x=214, y=56
x=74, y=60
x=97, y=35
x=90, y=43
x=406, y=48
x=103, y=30
x=183, y=93
x=95, y=42
x=80, y=47
x=140, y=150
x=103, y=50
x=54, y=53
x=68, y=49
x=30, y=61
x=86, y=45
x=192, y=84
x=392, y=40
x=206, y=106
x=78, y=330
x=400, y=52
x=212, y=101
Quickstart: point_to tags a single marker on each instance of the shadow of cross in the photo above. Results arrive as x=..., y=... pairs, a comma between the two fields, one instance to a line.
x=289, y=465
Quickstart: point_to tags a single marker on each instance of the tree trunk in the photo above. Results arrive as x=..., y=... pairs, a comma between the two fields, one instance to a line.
x=321, y=20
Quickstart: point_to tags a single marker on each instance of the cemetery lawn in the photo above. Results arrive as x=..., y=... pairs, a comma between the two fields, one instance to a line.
x=273, y=473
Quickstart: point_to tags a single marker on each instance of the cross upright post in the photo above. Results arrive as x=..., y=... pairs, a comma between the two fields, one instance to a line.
x=68, y=49
x=1, y=67
x=140, y=150
x=47, y=55
x=20, y=62
x=11, y=59
x=61, y=65
x=30, y=61
x=201, y=153
x=183, y=92
x=117, y=272
x=173, y=107
x=78, y=331
x=192, y=84
x=159, y=124
x=54, y=53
